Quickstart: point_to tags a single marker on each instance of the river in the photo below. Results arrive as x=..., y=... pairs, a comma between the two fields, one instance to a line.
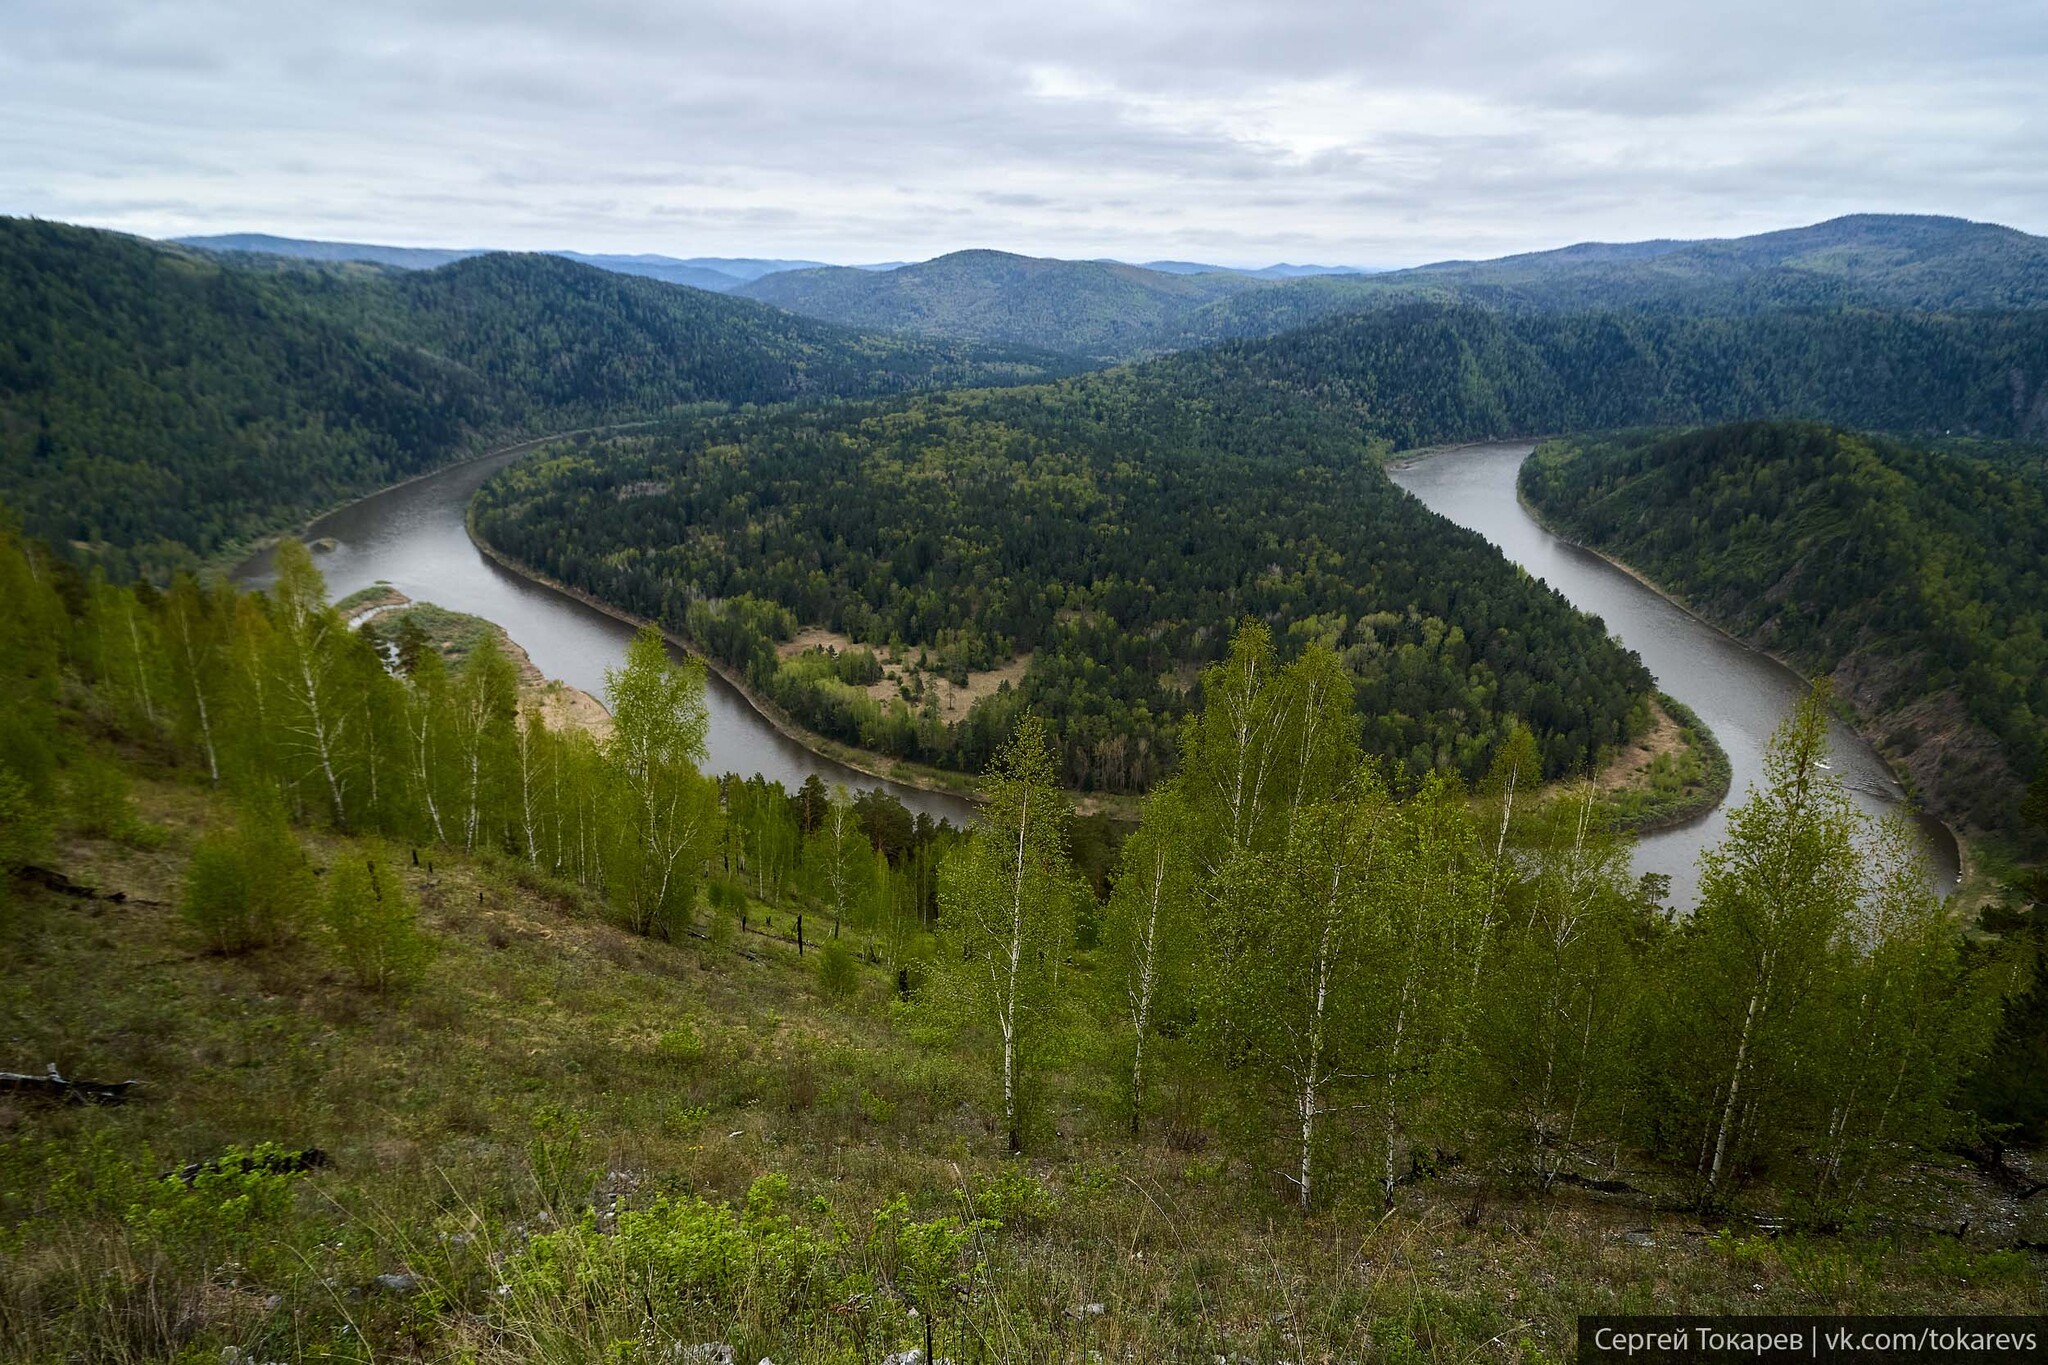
x=1741, y=694
x=414, y=538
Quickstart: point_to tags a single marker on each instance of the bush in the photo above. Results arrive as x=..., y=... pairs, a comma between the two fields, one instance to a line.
x=102, y=806
x=372, y=923
x=248, y=887
x=838, y=971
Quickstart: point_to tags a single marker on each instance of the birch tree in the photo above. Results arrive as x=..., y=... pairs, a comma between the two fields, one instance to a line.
x=1295, y=1011
x=1745, y=985
x=1005, y=898
x=1556, y=1015
x=1149, y=930
x=196, y=627
x=483, y=702
x=310, y=681
x=667, y=813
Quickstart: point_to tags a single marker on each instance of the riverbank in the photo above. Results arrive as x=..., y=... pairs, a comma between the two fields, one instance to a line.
x=1676, y=774
x=233, y=559
x=902, y=772
x=1972, y=887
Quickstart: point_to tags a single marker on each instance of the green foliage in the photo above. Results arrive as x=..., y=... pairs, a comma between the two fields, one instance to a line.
x=158, y=403
x=226, y=1213
x=372, y=921
x=838, y=971
x=249, y=886
x=676, y=1255
x=1114, y=530
x=1918, y=574
x=97, y=792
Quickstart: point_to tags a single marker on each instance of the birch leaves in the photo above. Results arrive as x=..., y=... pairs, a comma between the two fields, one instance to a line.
x=1007, y=902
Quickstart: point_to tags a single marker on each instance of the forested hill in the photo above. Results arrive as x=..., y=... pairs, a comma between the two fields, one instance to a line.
x=1425, y=373
x=1102, y=533
x=157, y=402
x=1084, y=548
x=1918, y=577
x=1096, y=308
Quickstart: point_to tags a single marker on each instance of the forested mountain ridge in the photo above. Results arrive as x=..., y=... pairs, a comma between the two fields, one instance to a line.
x=1423, y=373
x=1917, y=577
x=1103, y=309
x=1875, y=262
x=157, y=402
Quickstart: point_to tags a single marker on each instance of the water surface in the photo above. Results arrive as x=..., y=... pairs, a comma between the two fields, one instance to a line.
x=1741, y=694
x=413, y=537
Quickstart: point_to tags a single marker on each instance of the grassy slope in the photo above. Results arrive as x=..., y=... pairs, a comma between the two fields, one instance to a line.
x=436, y=1105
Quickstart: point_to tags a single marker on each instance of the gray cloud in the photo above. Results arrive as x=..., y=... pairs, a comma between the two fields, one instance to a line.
x=1383, y=133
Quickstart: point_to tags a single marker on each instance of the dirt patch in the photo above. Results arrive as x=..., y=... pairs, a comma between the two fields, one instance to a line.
x=1630, y=767
x=454, y=634
x=954, y=701
x=814, y=637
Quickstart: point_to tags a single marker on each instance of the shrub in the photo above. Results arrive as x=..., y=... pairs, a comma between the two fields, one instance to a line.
x=838, y=971
x=373, y=923
x=102, y=805
x=247, y=887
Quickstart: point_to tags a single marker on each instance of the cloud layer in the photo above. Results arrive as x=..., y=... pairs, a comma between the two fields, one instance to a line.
x=1378, y=133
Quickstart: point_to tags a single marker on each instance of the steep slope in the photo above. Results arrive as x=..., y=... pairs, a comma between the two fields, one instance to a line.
x=1093, y=308
x=157, y=402
x=1917, y=577
x=1421, y=373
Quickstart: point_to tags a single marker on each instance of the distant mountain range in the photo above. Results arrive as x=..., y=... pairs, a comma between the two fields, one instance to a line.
x=1107, y=310
x=1869, y=261
x=720, y=274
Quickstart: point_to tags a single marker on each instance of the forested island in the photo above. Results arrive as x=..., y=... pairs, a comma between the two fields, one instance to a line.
x=1916, y=575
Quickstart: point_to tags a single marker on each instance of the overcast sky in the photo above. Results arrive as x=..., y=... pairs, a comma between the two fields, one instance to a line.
x=1240, y=131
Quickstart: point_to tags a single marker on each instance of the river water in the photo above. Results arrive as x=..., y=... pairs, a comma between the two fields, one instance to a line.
x=1741, y=695
x=413, y=537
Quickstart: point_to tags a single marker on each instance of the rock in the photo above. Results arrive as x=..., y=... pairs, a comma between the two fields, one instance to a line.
x=1637, y=1237
x=705, y=1353
x=1081, y=1312
x=407, y=1283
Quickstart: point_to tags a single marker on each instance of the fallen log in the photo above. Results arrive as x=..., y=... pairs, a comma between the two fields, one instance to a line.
x=57, y=1088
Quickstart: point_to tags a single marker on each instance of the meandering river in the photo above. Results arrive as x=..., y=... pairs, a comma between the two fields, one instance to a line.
x=1741, y=694
x=413, y=537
